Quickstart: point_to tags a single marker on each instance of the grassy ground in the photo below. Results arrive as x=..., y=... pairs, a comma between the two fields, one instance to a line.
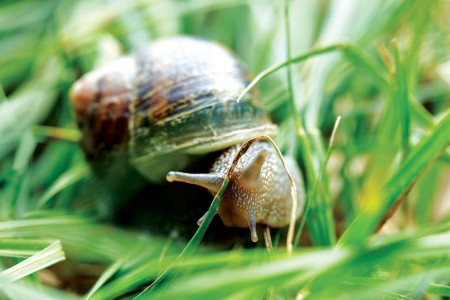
x=383, y=67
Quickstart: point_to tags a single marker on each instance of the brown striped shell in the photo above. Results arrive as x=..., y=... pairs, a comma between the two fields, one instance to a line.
x=174, y=97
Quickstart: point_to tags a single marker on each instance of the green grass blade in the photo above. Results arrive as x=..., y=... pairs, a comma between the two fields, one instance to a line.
x=295, y=59
x=22, y=290
x=294, y=110
x=39, y=93
x=439, y=289
x=17, y=186
x=83, y=239
x=105, y=277
x=316, y=270
x=22, y=248
x=148, y=268
x=359, y=58
x=69, y=178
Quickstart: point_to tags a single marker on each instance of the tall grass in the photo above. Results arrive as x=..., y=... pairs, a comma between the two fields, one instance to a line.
x=378, y=210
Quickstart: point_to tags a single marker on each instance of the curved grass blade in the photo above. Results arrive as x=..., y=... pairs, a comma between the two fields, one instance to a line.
x=352, y=52
x=279, y=66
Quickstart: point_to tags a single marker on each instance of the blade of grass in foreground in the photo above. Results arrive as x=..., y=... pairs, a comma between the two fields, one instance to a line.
x=22, y=290
x=22, y=248
x=47, y=257
x=83, y=239
x=323, y=267
x=137, y=271
x=420, y=157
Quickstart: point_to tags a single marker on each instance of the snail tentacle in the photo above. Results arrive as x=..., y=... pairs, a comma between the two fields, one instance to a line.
x=252, y=172
x=252, y=226
x=212, y=182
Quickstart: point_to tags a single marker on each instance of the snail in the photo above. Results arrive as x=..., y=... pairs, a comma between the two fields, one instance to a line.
x=176, y=99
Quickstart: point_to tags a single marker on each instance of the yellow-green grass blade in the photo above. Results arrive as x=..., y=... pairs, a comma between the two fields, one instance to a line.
x=50, y=255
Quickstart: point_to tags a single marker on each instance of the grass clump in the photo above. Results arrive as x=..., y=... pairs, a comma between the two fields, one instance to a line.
x=378, y=217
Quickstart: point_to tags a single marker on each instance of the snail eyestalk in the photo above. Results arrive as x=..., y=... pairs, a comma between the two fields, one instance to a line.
x=252, y=172
x=200, y=221
x=212, y=182
x=252, y=225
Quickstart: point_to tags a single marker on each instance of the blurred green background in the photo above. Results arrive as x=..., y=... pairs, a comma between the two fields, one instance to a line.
x=383, y=66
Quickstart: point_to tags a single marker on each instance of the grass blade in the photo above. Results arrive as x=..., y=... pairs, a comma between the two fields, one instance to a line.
x=22, y=248
x=47, y=257
x=69, y=178
x=439, y=289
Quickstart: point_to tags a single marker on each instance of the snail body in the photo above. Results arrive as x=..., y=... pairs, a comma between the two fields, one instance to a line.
x=259, y=189
x=176, y=98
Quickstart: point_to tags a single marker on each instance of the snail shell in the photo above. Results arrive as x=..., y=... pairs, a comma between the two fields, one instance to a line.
x=175, y=97
x=178, y=97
